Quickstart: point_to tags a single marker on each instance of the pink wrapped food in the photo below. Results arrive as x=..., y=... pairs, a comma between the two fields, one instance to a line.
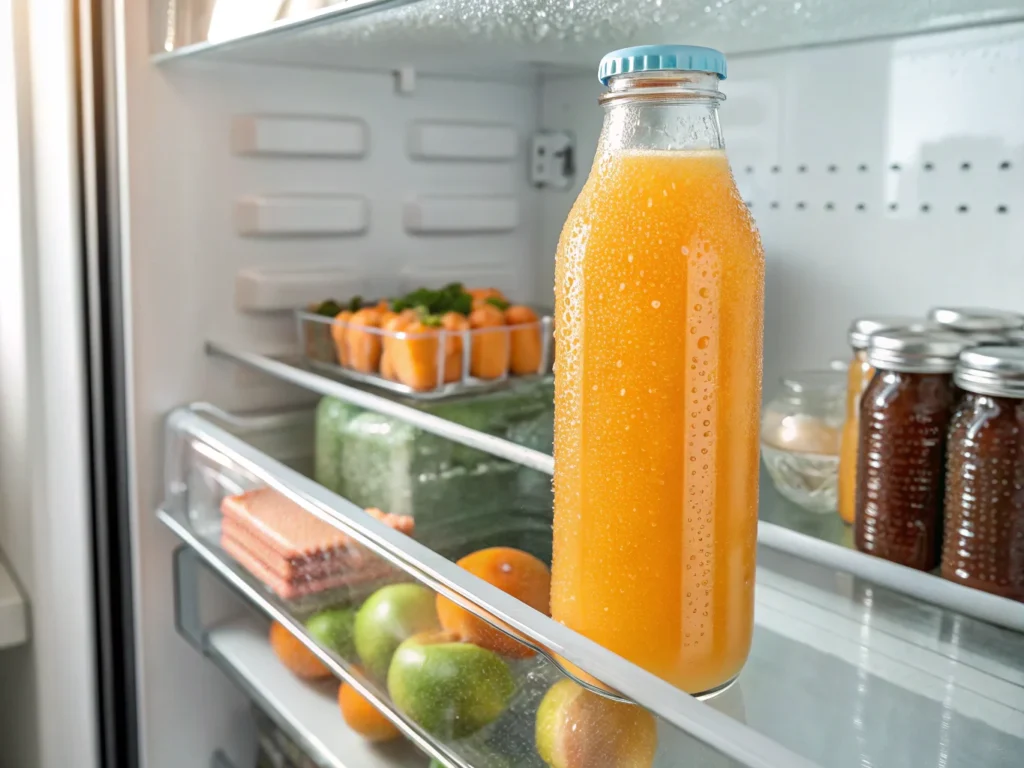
x=294, y=552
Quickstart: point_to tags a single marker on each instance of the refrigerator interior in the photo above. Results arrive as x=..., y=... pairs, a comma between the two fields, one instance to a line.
x=885, y=176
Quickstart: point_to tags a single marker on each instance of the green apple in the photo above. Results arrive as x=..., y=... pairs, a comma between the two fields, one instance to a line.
x=577, y=728
x=333, y=628
x=451, y=689
x=389, y=616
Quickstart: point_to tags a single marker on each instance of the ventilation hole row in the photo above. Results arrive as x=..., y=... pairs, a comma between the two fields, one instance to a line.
x=830, y=206
x=965, y=166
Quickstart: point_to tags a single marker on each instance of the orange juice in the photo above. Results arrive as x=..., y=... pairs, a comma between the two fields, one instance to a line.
x=659, y=300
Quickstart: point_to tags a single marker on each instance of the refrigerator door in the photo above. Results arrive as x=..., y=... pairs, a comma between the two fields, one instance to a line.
x=48, y=691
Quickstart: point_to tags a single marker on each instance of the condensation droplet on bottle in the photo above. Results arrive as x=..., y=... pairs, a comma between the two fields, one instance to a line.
x=622, y=286
x=618, y=363
x=685, y=251
x=655, y=304
x=650, y=202
x=702, y=342
x=630, y=258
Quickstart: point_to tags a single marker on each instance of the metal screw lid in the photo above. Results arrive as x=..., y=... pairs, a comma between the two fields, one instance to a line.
x=917, y=351
x=970, y=319
x=997, y=371
x=1015, y=337
x=862, y=328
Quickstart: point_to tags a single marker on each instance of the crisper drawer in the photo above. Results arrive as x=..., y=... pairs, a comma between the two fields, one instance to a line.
x=842, y=672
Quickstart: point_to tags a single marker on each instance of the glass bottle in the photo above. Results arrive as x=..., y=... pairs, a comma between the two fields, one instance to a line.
x=984, y=506
x=659, y=297
x=858, y=376
x=904, y=420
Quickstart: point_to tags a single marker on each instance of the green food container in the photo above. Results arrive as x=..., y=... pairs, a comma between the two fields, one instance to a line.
x=461, y=499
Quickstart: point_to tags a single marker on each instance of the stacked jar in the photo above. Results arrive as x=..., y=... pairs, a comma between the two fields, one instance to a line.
x=904, y=422
x=858, y=376
x=984, y=499
x=972, y=320
x=1016, y=337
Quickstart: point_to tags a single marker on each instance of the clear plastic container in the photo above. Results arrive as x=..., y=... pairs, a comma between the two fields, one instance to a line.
x=432, y=363
x=460, y=498
x=450, y=676
x=800, y=438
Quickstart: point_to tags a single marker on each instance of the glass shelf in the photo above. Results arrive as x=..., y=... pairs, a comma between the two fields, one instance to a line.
x=821, y=538
x=825, y=539
x=497, y=35
x=842, y=672
x=207, y=462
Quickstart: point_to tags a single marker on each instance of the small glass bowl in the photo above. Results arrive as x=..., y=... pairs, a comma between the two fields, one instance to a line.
x=800, y=436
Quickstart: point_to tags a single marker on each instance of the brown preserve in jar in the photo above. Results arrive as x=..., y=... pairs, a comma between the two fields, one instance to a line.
x=904, y=421
x=984, y=505
x=858, y=377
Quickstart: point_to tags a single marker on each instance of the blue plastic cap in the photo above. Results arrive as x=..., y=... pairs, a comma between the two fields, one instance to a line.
x=661, y=58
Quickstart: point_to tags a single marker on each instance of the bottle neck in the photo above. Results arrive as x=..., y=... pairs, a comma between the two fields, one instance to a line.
x=662, y=111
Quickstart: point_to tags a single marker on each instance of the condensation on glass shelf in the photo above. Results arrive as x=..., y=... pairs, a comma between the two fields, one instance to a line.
x=552, y=32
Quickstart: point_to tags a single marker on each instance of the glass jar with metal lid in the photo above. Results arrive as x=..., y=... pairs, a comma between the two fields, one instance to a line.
x=904, y=420
x=800, y=437
x=984, y=504
x=858, y=375
x=976, y=319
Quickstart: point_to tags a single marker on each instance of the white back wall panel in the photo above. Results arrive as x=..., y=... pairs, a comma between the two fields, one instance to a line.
x=885, y=177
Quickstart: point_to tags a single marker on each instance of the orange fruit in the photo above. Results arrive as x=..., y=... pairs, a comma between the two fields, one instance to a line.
x=511, y=570
x=299, y=660
x=364, y=718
